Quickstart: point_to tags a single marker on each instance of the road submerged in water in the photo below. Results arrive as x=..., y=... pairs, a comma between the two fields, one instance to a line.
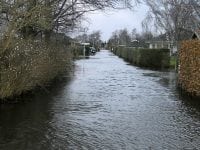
x=106, y=105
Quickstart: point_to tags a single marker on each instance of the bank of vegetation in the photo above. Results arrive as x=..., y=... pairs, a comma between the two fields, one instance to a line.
x=149, y=58
x=27, y=64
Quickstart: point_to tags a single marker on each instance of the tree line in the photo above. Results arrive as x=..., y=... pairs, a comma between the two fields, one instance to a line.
x=125, y=37
x=93, y=38
x=28, y=18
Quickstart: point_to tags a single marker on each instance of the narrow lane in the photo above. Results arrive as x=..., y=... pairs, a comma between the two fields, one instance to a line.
x=107, y=104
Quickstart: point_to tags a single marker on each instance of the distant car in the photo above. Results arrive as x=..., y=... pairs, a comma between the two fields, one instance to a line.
x=92, y=50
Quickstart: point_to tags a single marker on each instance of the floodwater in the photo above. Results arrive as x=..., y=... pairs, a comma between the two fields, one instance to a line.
x=107, y=104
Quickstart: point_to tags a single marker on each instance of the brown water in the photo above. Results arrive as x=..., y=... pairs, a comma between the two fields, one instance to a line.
x=107, y=104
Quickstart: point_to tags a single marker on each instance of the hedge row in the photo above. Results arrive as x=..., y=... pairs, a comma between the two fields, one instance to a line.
x=150, y=58
x=189, y=67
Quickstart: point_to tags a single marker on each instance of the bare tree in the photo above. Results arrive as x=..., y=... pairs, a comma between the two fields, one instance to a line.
x=95, y=39
x=172, y=16
x=82, y=38
x=124, y=37
x=133, y=34
x=30, y=17
x=120, y=37
x=114, y=39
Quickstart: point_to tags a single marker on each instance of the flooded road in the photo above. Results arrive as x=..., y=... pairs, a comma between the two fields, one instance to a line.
x=106, y=105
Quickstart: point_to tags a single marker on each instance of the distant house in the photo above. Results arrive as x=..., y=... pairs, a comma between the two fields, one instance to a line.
x=161, y=41
x=163, y=45
x=85, y=44
x=159, y=44
x=138, y=44
x=196, y=35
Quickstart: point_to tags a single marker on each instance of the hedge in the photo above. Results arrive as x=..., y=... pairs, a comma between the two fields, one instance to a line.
x=77, y=50
x=189, y=67
x=150, y=58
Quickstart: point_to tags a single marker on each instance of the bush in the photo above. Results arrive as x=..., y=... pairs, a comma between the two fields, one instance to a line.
x=26, y=64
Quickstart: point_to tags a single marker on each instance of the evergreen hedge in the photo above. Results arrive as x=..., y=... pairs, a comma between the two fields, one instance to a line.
x=150, y=58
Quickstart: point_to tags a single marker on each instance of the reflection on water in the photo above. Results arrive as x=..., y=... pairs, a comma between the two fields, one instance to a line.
x=106, y=105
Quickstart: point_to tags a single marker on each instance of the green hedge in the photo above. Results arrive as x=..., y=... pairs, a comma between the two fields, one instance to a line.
x=150, y=58
x=77, y=50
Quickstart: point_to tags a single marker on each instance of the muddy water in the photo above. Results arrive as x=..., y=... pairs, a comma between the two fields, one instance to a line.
x=107, y=104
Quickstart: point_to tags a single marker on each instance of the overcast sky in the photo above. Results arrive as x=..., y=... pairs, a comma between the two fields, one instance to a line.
x=114, y=20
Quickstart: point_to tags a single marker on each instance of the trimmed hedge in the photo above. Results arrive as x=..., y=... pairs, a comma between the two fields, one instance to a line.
x=77, y=50
x=150, y=58
x=189, y=67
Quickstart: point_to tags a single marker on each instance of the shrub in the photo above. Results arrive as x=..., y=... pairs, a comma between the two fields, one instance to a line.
x=26, y=64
